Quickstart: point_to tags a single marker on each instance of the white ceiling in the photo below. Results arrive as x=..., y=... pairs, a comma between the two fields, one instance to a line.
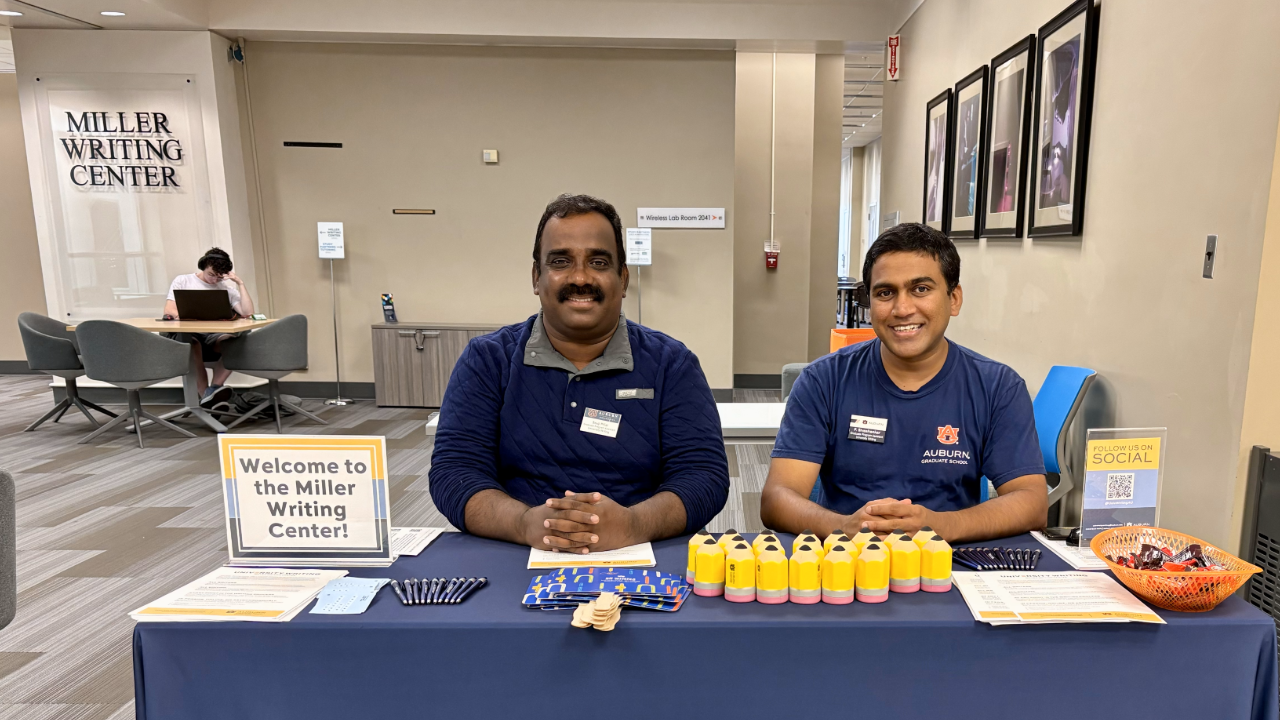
x=863, y=94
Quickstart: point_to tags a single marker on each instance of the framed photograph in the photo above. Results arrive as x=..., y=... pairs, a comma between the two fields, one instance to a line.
x=1065, y=56
x=1004, y=203
x=968, y=160
x=937, y=149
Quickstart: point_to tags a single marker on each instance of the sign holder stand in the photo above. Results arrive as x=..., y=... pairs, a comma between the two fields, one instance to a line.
x=337, y=365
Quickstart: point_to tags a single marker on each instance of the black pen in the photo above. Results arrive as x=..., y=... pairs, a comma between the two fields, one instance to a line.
x=411, y=589
x=439, y=590
x=418, y=587
x=1027, y=558
x=448, y=589
x=479, y=583
x=995, y=559
x=1009, y=562
x=958, y=558
x=1035, y=559
x=978, y=562
x=428, y=590
x=396, y=586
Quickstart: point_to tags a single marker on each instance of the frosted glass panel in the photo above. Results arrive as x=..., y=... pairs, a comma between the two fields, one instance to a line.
x=124, y=161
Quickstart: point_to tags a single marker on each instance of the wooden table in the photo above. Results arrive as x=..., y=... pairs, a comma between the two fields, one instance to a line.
x=190, y=395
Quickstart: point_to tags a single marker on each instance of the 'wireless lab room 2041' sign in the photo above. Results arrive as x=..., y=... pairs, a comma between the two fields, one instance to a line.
x=308, y=500
x=693, y=218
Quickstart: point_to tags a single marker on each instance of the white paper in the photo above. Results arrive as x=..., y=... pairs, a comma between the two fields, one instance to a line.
x=236, y=593
x=1050, y=597
x=1080, y=558
x=348, y=595
x=639, y=246
x=332, y=244
x=411, y=541
x=632, y=556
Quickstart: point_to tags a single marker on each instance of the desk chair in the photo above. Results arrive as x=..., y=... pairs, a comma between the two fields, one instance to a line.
x=8, y=550
x=1055, y=407
x=271, y=353
x=51, y=348
x=132, y=359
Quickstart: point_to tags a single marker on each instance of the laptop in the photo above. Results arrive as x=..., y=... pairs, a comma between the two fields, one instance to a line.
x=204, y=305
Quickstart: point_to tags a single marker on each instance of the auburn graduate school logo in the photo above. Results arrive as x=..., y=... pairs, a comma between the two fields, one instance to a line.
x=948, y=435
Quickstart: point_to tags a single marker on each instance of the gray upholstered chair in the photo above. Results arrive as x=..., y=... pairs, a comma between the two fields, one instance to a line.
x=8, y=550
x=51, y=349
x=272, y=352
x=791, y=373
x=132, y=359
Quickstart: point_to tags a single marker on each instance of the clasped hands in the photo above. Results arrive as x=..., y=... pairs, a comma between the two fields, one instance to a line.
x=579, y=523
x=885, y=515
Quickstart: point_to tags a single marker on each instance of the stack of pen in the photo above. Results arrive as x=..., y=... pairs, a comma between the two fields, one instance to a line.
x=996, y=558
x=436, y=591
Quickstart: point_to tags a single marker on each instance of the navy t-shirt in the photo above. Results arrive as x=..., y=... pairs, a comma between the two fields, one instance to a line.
x=972, y=419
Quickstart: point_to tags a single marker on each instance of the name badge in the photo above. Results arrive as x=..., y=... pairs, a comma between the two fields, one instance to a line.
x=633, y=394
x=867, y=429
x=599, y=422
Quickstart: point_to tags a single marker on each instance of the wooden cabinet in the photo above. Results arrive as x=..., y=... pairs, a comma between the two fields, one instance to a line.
x=412, y=362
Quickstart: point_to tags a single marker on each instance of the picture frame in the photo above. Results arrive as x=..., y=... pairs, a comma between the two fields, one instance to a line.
x=968, y=161
x=1066, y=54
x=937, y=154
x=1008, y=142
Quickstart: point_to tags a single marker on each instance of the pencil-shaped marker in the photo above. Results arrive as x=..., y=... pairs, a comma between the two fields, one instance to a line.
x=871, y=579
x=772, y=575
x=740, y=574
x=694, y=543
x=708, y=579
x=837, y=576
x=904, y=565
x=805, y=576
x=935, y=565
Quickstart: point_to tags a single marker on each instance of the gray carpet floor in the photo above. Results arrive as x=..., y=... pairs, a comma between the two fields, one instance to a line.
x=106, y=527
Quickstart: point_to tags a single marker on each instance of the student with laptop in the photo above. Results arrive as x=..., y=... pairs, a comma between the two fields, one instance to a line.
x=215, y=274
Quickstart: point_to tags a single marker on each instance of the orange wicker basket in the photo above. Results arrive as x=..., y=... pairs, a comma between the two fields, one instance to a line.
x=1182, y=591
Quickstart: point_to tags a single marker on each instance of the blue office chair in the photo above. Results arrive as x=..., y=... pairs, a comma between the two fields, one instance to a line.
x=1055, y=406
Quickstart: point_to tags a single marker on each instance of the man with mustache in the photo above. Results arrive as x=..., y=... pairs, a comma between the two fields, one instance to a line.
x=577, y=430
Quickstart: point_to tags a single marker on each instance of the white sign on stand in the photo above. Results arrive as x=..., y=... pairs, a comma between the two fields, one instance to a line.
x=639, y=246
x=696, y=218
x=331, y=244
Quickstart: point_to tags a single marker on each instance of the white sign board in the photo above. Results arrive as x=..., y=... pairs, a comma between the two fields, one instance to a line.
x=639, y=246
x=306, y=499
x=702, y=218
x=331, y=243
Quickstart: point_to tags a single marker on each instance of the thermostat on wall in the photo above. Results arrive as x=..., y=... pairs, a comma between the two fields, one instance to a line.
x=491, y=156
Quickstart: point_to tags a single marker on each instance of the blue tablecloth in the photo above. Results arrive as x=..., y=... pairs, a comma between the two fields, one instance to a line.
x=915, y=656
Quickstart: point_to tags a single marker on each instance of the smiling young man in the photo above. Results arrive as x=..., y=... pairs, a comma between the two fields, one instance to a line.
x=901, y=429
x=577, y=430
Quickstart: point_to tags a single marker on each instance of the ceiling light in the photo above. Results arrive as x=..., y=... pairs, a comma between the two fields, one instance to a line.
x=112, y=13
x=11, y=13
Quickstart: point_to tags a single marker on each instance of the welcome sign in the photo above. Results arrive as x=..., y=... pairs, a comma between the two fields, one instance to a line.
x=307, y=500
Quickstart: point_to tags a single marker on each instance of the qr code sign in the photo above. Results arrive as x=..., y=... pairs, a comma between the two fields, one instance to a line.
x=1119, y=486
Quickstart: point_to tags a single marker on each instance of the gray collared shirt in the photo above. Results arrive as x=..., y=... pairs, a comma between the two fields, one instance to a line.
x=538, y=352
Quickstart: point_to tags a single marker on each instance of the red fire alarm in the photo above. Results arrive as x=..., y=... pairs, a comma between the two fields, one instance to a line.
x=771, y=255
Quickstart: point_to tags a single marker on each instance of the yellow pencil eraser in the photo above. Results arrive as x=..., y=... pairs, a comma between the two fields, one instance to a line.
x=904, y=565
x=871, y=577
x=740, y=574
x=694, y=543
x=935, y=565
x=763, y=539
x=708, y=577
x=837, y=576
x=729, y=539
x=772, y=575
x=805, y=577
x=861, y=539
x=922, y=537
x=835, y=538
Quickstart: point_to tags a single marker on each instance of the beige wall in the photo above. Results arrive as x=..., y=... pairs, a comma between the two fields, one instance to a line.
x=21, y=284
x=824, y=230
x=771, y=312
x=1183, y=145
x=638, y=128
x=1261, y=425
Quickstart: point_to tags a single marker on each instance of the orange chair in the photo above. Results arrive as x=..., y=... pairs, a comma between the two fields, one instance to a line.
x=843, y=337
